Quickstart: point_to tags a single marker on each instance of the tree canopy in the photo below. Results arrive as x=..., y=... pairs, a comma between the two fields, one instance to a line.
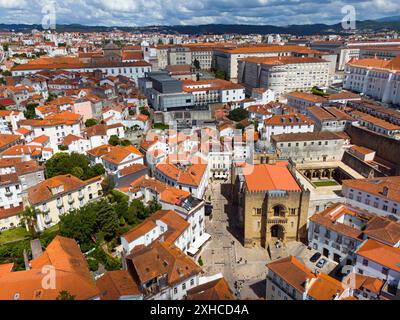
x=76, y=164
x=115, y=141
x=238, y=114
x=90, y=123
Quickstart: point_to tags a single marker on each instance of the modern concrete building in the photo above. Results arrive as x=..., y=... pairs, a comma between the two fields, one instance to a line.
x=284, y=74
x=165, y=93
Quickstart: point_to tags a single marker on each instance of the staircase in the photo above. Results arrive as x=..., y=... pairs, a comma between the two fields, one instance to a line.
x=277, y=253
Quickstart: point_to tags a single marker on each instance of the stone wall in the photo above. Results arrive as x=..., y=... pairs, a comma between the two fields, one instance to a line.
x=385, y=147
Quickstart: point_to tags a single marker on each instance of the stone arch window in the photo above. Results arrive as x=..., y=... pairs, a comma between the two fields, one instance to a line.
x=279, y=210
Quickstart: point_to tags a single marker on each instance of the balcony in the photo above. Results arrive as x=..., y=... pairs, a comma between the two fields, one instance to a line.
x=46, y=210
x=81, y=196
x=60, y=205
x=47, y=219
x=71, y=200
x=8, y=193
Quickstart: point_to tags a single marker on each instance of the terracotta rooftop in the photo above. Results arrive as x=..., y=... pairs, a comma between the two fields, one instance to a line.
x=116, y=284
x=376, y=186
x=72, y=275
x=43, y=191
x=292, y=271
x=161, y=258
x=306, y=136
x=265, y=177
x=380, y=253
x=213, y=290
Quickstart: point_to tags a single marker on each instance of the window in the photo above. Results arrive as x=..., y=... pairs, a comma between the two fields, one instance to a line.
x=385, y=271
x=365, y=262
x=184, y=286
x=191, y=282
x=175, y=290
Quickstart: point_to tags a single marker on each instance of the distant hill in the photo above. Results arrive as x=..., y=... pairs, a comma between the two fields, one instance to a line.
x=383, y=24
x=390, y=19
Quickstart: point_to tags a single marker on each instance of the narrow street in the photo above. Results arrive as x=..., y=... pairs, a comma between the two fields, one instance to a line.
x=225, y=254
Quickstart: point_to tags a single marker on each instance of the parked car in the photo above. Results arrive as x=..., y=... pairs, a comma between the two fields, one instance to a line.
x=321, y=263
x=315, y=257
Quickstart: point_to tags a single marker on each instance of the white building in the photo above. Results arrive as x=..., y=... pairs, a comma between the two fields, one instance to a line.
x=379, y=195
x=214, y=91
x=285, y=124
x=310, y=146
x=284, y=74
x=378, y=260
x=376, y=78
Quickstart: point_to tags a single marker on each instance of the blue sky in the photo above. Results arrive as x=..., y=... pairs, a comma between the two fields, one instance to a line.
x=187, y=12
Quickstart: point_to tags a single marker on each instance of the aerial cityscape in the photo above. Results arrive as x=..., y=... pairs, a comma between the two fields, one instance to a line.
x=212, y=150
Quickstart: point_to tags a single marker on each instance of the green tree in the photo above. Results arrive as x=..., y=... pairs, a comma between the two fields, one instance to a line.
x=238, y=114
x=64, y=163
x=196, y=64
x=144, y=111
x=29, y=219
x=30, y=110
x=77, y=172
x=114, y=140
x=90, y=123
x=107, y=220
x=65, y=295
x=79, y=224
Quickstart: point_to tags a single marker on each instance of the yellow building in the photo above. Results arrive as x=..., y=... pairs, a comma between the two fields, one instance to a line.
x=59, y=195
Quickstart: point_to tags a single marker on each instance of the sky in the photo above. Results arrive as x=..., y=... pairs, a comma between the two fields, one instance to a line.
x=192, y=12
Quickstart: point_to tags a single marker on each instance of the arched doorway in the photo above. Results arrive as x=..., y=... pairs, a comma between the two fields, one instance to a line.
x=277, y=232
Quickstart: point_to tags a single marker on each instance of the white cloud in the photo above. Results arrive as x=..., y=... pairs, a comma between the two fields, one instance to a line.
x=173, y=12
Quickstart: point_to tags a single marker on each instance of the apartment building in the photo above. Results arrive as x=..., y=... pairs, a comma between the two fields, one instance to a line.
x=284, y=74
x=376, y=78
x=179, y=55
x=115, y=158
x=214, y=91
x=10, y=199
x=59, y=195
x=338, y=231
x=56, y=127
x=9, y=120
x=100, y=134
x=227, y=59
x=379, y=195
x=133, y=70
x=310, y=146
x=303, y=100
x=188, y=175
x=380, y=261
x=329, y=118
x=165, y=224
x=286, y=124
x=376, y=124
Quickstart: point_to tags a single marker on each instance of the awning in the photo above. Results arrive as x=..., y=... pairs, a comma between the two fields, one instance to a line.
x=195, y=247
